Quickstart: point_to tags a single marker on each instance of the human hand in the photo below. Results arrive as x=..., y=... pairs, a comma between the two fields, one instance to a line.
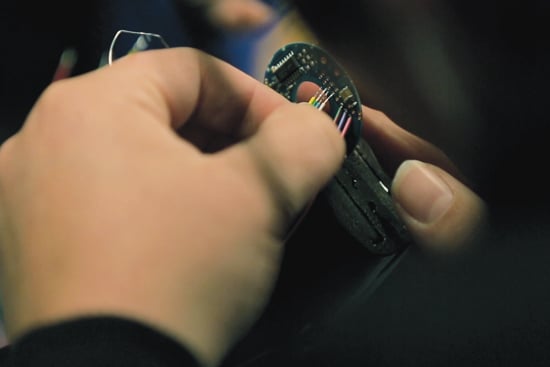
x=160, y=189
x=439, y=209
x=236, y=15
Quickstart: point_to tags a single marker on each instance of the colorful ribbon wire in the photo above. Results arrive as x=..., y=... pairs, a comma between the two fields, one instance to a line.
x=342, y=118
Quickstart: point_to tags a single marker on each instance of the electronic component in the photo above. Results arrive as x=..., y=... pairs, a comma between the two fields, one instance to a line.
x=297, y=63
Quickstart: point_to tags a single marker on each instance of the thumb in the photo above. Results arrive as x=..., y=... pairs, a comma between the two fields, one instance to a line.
x=440, y=212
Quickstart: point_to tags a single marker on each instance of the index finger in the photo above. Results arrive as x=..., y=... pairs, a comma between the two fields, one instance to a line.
x=182, y=84
x=395, y=144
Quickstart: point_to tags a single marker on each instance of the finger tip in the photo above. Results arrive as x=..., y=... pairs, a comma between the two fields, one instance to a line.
x=241, y=15
x=441, y=213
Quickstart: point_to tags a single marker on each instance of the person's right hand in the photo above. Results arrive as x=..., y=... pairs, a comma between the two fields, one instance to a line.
x=236, y=15
x=440, y=211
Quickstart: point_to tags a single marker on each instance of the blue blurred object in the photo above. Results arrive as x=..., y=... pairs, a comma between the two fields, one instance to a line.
x=36, y=33
x=239, y=48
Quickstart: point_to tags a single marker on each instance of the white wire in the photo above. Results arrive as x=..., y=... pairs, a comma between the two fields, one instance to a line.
x=110, y=57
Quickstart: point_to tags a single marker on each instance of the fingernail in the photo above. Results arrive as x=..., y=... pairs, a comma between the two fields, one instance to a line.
x=421, y=192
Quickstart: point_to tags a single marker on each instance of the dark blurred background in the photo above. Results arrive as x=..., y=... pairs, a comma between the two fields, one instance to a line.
x=469, y=76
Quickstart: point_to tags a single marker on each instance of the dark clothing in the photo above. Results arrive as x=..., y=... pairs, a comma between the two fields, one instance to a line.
x=94, y=342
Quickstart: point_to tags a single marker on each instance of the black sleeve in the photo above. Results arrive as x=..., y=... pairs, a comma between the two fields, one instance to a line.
x=96, y=341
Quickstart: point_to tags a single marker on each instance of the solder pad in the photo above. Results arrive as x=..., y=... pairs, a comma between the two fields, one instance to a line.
x=299, y=62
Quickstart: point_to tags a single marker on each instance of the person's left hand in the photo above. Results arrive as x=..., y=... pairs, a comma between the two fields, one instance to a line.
x=160, y=189
x=442, y=213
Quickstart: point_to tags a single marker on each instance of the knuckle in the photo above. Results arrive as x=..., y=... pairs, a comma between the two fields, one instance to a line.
x=54, y=101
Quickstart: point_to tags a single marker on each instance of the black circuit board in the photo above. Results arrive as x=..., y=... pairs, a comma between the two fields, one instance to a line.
x=299, y=62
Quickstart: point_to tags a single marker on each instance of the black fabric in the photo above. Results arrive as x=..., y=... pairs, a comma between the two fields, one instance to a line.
x=96, y=341
x=488, y=306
